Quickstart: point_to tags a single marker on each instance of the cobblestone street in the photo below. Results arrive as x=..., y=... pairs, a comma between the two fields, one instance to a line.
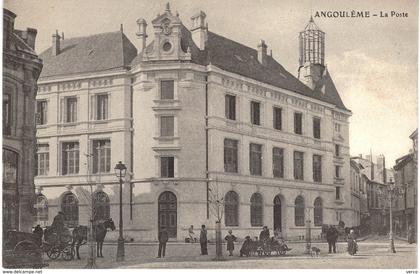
x=372, y=254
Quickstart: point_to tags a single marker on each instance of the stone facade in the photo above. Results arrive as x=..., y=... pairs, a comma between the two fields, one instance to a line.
x=174, y=144
x=21, y=69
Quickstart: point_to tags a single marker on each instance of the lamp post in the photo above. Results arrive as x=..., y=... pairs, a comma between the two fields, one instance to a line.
x=392, y=192
x=120, y=170
x=91, y=259
x=308, y=231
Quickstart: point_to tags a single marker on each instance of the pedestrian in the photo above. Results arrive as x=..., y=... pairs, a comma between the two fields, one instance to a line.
x=203, y=240
x=230, y=239
x=351, y=243
x=163, y=239
x=265, y=234
x=246, y=247
x=332, y=236
x=411, y=234
x=38, y=231
x=191, y=234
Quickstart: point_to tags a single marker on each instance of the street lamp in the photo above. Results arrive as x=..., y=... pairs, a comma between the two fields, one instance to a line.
x=308, y=231
x=393, y=192
x=120, y=170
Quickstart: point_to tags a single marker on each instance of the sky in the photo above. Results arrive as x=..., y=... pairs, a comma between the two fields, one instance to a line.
x=373, y=61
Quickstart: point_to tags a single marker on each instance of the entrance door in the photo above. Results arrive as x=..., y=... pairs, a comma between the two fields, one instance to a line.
x=277, y=212
x=167, y=213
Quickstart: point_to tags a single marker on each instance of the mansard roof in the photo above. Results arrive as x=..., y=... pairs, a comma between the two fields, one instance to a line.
x=113, y=50
x=237, y=58
x=100, y=52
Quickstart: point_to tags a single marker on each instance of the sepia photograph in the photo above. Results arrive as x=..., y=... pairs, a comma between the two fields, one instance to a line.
x=181, y=134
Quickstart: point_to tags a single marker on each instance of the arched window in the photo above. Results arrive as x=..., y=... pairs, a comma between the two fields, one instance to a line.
x=101, y=206
x=318, y=212
x=41, y=208
x=70, y=208
x=231, y=209
x=256, y=210
x=299, y=211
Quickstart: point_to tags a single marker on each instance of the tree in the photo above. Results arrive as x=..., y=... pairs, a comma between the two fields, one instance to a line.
x=216, y=206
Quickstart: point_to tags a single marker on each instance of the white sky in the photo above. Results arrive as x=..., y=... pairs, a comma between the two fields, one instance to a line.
x=373, y=61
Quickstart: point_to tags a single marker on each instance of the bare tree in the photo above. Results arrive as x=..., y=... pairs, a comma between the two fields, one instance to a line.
x=217, y=206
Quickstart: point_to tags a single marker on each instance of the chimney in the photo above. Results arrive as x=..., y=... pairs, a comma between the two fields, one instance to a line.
x=56, y=44
x=141, y=33
x=262, y=52
x=30, y=37
x=199, y=30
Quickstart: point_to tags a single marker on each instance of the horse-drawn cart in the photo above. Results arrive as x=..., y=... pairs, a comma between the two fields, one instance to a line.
x=264, y=248
x=22, y=250
x=58, y=244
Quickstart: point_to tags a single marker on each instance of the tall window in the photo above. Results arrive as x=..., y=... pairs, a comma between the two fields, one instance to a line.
x=298, y=165
x=41, y=112
x=230, y=107
x=167, y=126
x=317, y=168
x=167, y=167
x=7, y=114
x=299, y=211
x=71, y=110
x=337, y=193
x=231, y=155
x=318, y=212
x=277, y=118
x=43, y=159
x=41, y=208
x=317, y=128
x=337, y=171
x=255, y=113
x=255, y=159
x=101, y=206
x=256, y=210
x=298, y=123
x=337, y=127
x=70, y=208
x=70, y=162
x=167, y=89
x=102, y=107
x=337, y=150
x=101, y=156
x=231, y=209
x=278, y=164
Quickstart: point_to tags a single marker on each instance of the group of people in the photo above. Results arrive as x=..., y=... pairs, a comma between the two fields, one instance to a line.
x=163, y=239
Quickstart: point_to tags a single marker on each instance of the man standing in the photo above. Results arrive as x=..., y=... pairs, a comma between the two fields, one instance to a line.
x=203, y=240
x=265, y=234
x=163, y=239
x=332, y=236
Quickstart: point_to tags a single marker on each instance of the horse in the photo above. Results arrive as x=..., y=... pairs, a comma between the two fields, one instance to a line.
x=100, y=230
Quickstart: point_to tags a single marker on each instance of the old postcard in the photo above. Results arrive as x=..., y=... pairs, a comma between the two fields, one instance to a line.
x=210, y=134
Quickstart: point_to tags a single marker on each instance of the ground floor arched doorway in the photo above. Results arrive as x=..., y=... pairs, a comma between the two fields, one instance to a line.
x=277, y=213
x=167, y=215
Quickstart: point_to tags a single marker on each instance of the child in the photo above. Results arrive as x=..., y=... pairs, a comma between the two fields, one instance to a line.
x=230, y=238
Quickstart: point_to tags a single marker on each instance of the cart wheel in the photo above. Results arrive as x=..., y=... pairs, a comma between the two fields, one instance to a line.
x=54, y=253
x=282, y=252
x=68, y=253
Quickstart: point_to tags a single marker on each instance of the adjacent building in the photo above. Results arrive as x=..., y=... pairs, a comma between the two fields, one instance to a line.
x=21, y=69
x=194, y=116
x=374, y=177
x=405, y=213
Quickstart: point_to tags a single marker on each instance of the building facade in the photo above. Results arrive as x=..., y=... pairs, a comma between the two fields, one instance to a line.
x=21, y=69
x=406, y=179
x=195, y=117
x=358, y=192
x=374, y=178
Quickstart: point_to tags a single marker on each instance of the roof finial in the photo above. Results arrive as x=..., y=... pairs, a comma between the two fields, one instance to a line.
x=312, y=19
x=168, y=9
x=121, y=28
